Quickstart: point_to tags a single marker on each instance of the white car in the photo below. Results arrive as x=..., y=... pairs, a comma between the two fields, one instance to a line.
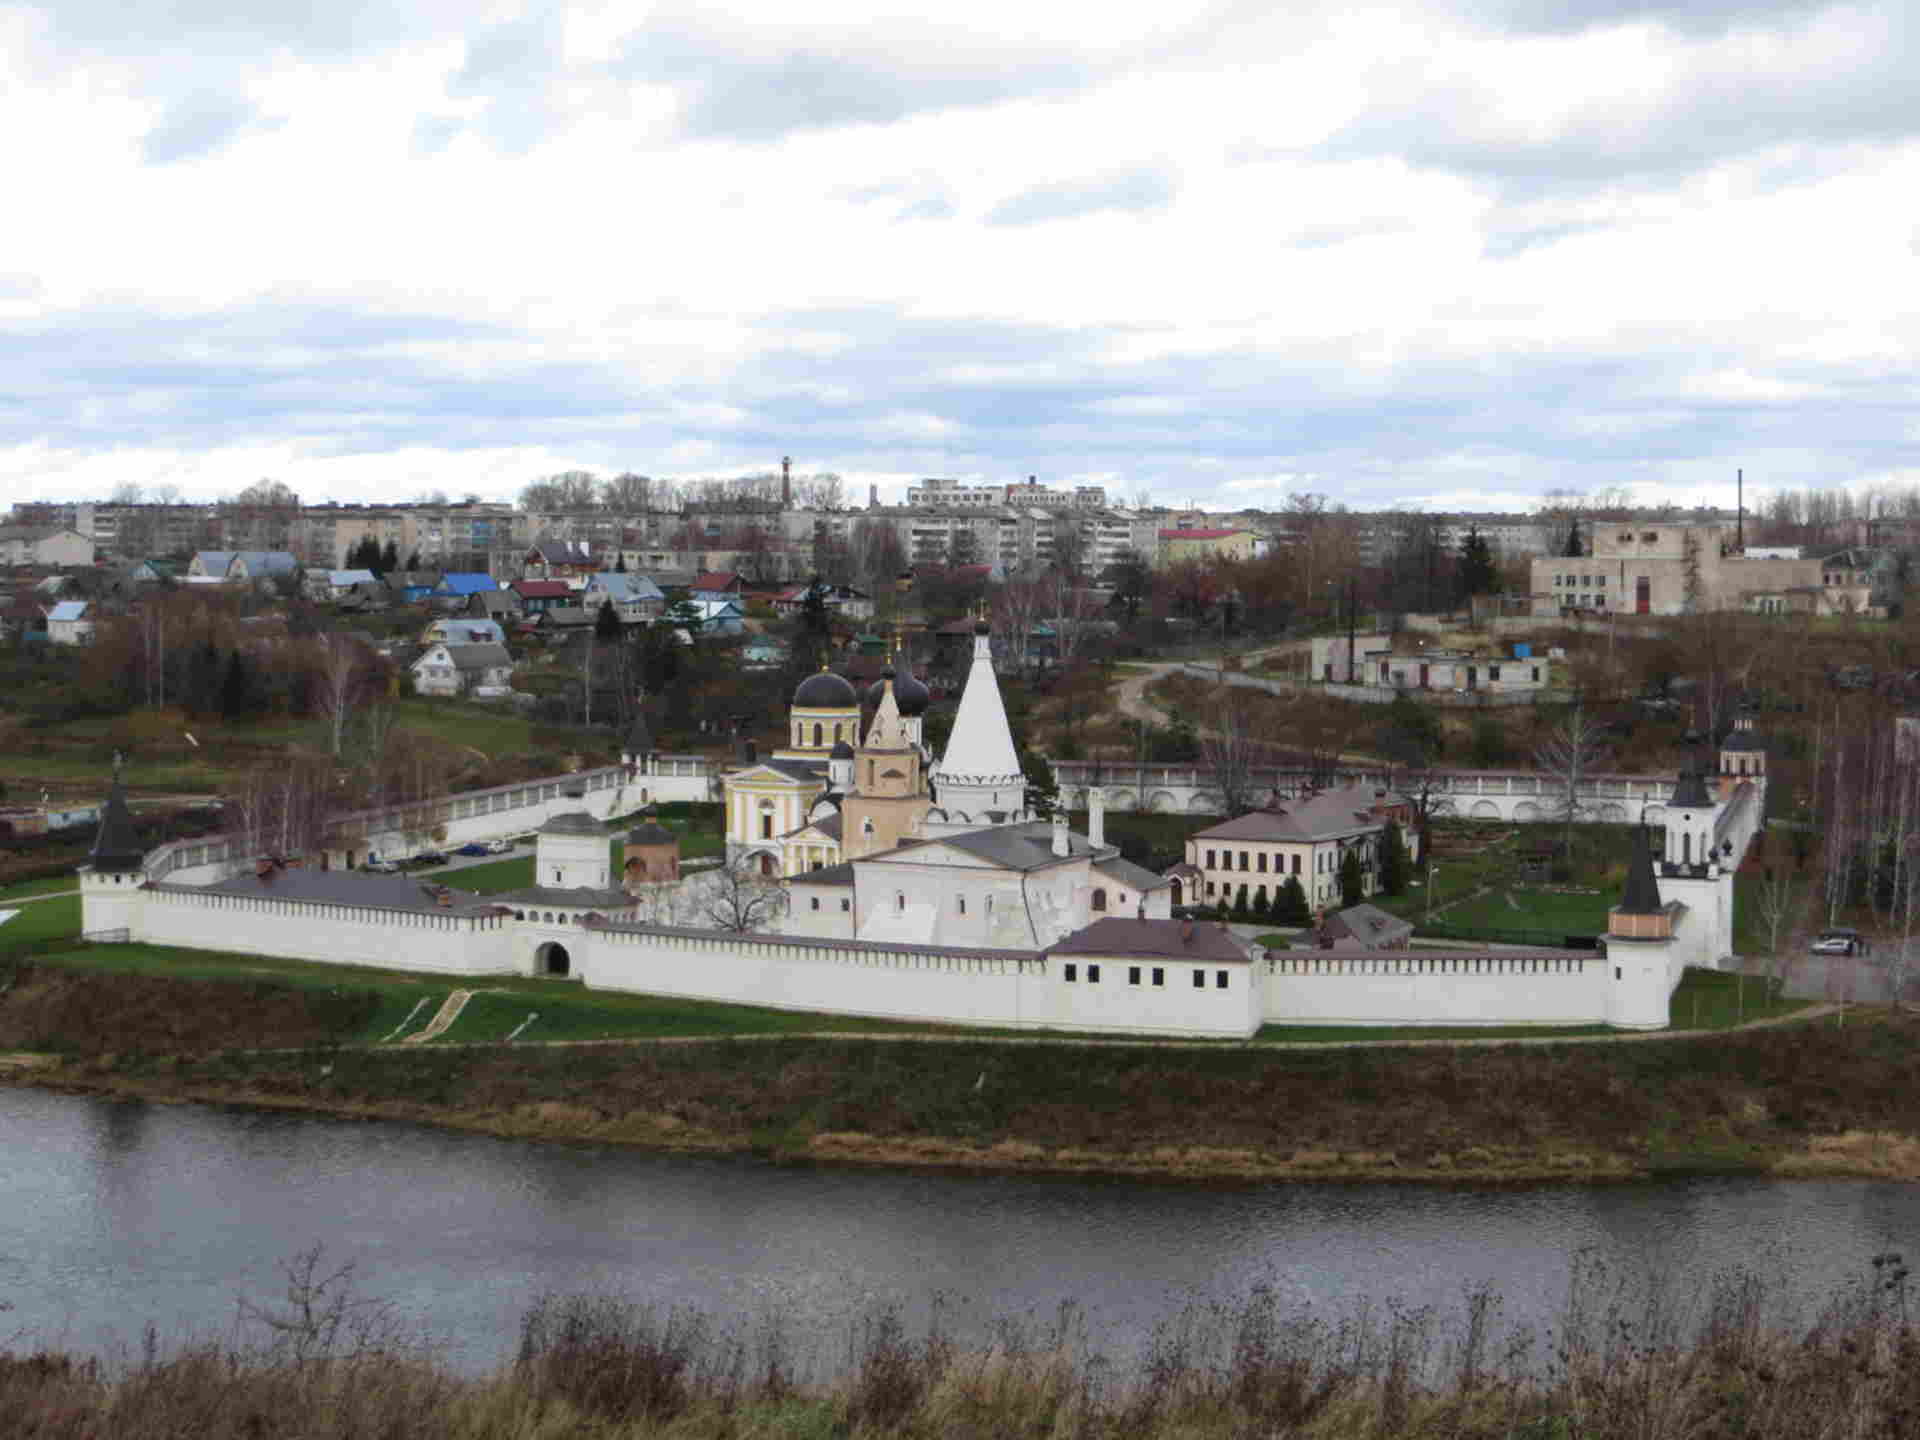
x=499, y=847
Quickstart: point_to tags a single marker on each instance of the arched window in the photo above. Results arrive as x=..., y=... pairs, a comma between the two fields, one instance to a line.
x=1686, y=849
x=900, y=901
x=1099, y=899
x=816, y=734
x=963, y=904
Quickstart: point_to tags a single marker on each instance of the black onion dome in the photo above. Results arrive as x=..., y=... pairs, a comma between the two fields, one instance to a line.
x=908, y=693
x=842, y=750
x=826, y=691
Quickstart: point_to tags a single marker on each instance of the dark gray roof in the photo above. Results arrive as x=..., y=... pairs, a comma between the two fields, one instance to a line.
x=1690, y=791
x=1742, y=740
x=842, y=750
x=799, y=769
x=477, y=657
x=572, y=822
x=1158, y=939
x=1642, y=893
x=581, y=897
x=1368, y=924
x=116, y=846
x=350, y=887
x=910, y=695
x=1125, y=872
x=828, y=825
x=825, y=690
x=651, y=832
x=827, y=875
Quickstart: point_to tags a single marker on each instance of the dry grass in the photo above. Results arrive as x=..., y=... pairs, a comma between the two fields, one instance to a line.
x=324, y=1364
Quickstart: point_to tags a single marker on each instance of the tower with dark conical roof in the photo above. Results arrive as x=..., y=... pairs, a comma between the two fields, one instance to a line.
x=110, y=881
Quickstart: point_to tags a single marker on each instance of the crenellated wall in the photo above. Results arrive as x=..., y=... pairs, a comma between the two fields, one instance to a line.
x=330, y=933
x=1403, y=987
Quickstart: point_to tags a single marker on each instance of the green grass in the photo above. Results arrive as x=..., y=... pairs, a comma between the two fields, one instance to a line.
x=53, y=885
x=490, y=879
x=1532, y=910
x=1716, y=1000
x=43, y=920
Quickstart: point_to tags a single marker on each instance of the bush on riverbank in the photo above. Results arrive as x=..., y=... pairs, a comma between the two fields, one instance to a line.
x=1620, y=1362
x=57, y=1010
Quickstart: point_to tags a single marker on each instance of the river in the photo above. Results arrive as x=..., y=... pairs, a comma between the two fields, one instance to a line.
x=115, y=1216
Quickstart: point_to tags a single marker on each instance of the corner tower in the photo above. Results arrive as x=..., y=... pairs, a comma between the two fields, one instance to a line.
x=1642, y=963
x=110, y=881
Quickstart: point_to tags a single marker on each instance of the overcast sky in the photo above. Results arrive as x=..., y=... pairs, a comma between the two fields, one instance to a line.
x=1450, y=254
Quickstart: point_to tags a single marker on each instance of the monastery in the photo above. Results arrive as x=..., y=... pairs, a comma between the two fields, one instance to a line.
x=927, y=890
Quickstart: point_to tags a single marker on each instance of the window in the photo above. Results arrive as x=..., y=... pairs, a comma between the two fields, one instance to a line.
x=1210, y=889
x=1650, y=536
x=1616, y=972
x=1493, y=672
x=1210, y=864
x=556, y=874
x=816, y=734
x=815, y=902
x=1199, y=979
x=1626, y=537
x=1159, y=976
x=845, y=906
x=1093, y=974
x=1243, y=860
x=1219, y=979
x=1296, y=863
x=963, y=904
x=766, y=827
x=1133, y=975
x=1099, y=900
x=1071, y=974
x=1263, y=862
x=900, y=902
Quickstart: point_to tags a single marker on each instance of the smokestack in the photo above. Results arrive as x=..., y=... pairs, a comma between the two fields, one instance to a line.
x=786, y=482
x=1060, y=845
x=1740, y=510
x=873, y=497
x=1097, y=817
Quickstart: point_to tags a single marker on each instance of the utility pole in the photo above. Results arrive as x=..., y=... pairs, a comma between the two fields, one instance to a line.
x=1351, y=621
x=1740, y=510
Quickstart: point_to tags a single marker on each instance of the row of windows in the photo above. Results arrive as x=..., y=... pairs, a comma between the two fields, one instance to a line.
x=845, y=905
x=1591, y=582
x=1071, y=974
x=1324, y=861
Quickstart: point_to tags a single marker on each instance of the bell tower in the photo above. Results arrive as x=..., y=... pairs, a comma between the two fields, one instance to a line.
x=889, y=796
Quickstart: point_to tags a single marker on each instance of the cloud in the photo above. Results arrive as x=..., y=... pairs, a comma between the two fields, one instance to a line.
x=1125, y=192
x=197, y=126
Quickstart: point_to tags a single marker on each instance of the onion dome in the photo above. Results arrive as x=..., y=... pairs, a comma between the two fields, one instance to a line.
x=841, y=751
x=826, y=691
x=909, y=694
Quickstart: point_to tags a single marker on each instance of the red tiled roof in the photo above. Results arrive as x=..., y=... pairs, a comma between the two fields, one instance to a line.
x=716, y=580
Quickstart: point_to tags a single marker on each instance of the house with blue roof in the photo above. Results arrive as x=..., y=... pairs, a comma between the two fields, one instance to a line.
x=460, y=585
x=71, y=623
x=635, y=598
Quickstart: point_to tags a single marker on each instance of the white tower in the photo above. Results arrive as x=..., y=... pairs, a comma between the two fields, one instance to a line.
x=978, y=781
x=110, y=881
x=570, y=853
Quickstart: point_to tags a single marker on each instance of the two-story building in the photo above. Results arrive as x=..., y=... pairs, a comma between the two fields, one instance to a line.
x=480, y=672
x=1306, y=839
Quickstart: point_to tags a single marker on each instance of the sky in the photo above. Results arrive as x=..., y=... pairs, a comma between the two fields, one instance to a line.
x=1447, y=254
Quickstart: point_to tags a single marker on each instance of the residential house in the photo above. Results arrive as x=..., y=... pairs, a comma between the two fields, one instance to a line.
x=53, y=546
x=456, y=587
x=463, y=630
x=559, y=622
x=717, y=615
x=536, y=597
x=336, y=585
x=228, y=567
x=717, y=583
x=635, y=598
x=841, y=600
x=413, y=587
x=500, y=606
x=1305, y=839
x=70, y=622
x=1206, y=544
x=559, y=560
x=150, y=572
x=477, y=671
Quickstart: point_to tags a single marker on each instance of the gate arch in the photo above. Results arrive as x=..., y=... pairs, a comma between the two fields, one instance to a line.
x=552, y=959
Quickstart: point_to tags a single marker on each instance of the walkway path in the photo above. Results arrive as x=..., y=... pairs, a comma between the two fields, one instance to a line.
x=438, y=1026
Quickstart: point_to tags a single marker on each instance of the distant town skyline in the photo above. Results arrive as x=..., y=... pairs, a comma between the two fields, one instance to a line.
x=1452, y=254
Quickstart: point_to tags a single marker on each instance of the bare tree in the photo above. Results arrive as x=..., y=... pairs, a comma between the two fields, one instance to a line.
x=1777, y=904
x=740, y=899
x=1228, y=747
x=1569, y=757
x=339, y=674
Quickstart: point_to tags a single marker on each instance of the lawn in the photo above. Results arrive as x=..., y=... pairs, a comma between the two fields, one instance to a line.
x=53, y=885
x=1517, y=908
x=1715, y=1000
x=42, y=920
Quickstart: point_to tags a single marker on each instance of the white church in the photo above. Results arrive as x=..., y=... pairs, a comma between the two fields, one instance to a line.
x=926, y=890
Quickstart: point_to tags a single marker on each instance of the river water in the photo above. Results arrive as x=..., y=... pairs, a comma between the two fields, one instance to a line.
x=115, y=1216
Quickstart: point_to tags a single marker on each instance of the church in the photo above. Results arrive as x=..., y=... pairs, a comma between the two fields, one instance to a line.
x=880, y=841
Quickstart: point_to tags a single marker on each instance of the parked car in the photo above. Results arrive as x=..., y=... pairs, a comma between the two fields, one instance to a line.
x=430, y=857
x=1839, y=942
x=382, y=867
x=475, y=847
x=499, y=847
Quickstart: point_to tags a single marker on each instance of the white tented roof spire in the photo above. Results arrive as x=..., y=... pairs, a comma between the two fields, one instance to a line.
x=980, y=750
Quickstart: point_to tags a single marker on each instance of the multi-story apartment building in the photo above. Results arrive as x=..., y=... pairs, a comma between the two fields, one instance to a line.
x=957, y=495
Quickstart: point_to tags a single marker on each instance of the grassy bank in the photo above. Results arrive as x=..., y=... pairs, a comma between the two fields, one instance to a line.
x=326, y=1361
x=1810, y=1098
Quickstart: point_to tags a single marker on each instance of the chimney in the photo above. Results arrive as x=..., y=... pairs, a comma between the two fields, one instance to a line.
x=1060, y=845
x=1096, y=817
x=786, y=482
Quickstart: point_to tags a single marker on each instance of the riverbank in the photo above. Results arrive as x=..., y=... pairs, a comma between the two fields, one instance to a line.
x=326, y=1361
x=1814, y=1099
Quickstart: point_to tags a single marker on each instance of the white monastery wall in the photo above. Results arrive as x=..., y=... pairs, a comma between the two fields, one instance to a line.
x=1431, y=987
x=1017, y=990
x=331, y=934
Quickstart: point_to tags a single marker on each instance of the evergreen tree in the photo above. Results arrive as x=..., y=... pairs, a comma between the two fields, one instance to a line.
x=1477, y=574
x=1043, y=791
x=203, y=681
x=389, y=560
x=235, y=688
x=1394, y=863
x=1241, y=911
x=413, y=561
x=620, y=565
x=606, y=625
x=814, y=615
x=1351, y=885
x=1291, y=907
x=1574, y=552
x=1489, y=743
